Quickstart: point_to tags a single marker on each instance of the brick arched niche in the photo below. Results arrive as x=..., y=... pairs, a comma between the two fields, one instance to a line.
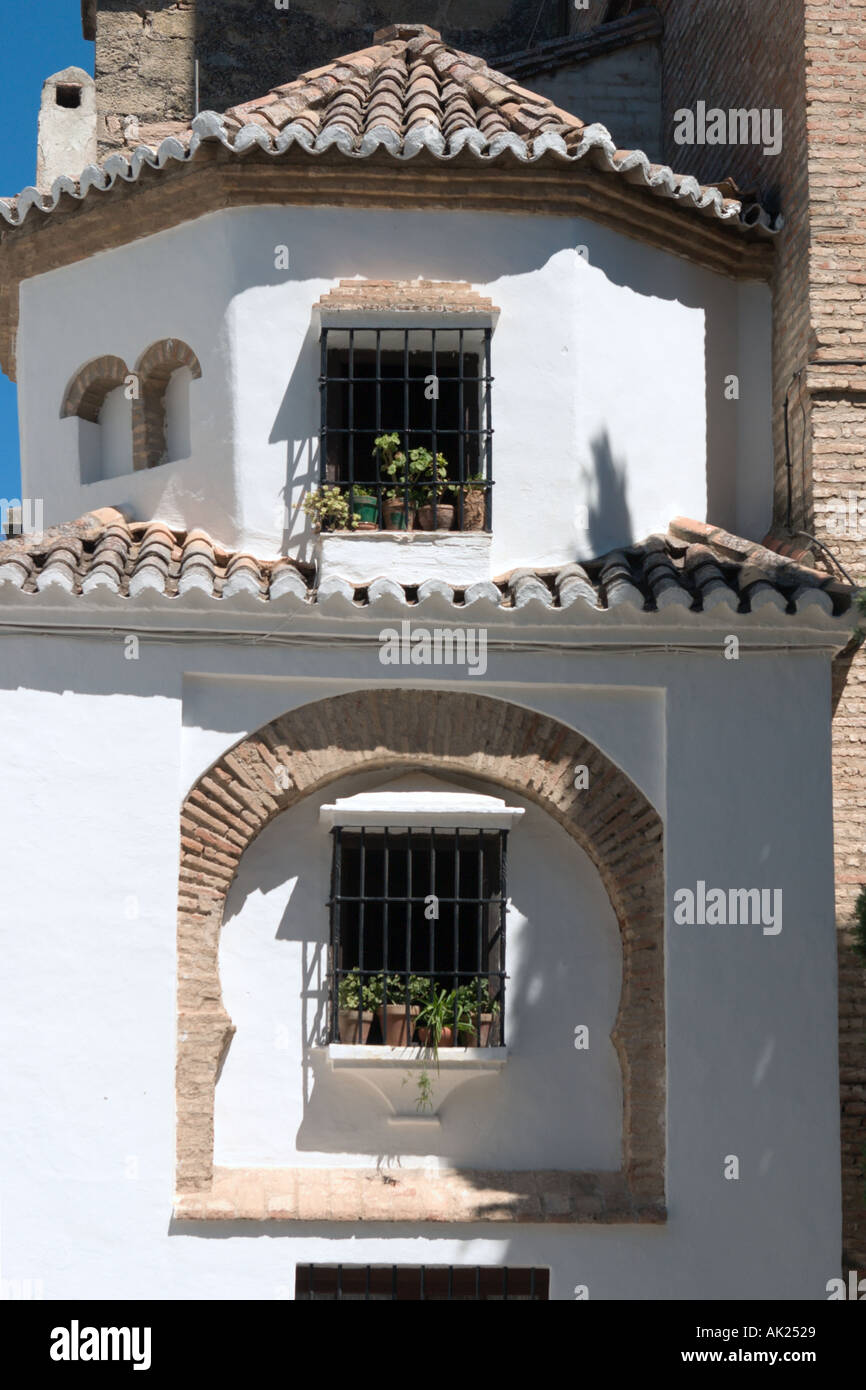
x=298, y=754
x=154, y=369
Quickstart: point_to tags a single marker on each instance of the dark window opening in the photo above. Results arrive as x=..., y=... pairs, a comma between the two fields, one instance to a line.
x=431, y=389
x=66, y=94
x=416, y=1283
x=415, y=913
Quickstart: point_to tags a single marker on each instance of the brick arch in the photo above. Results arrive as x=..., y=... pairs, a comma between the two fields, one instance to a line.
x=154, y=369
x=86, y=392
x=299, y=753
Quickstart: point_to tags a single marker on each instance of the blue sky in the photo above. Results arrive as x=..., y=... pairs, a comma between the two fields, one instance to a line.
x=37, y=41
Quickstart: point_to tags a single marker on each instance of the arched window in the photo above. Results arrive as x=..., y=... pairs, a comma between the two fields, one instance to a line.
x=161, y=422
x=99, y=398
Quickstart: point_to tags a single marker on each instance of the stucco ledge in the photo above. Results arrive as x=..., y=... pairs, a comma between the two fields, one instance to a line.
x=418, y=1195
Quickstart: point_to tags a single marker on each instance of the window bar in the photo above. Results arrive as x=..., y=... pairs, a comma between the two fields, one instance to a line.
x=323, y=412
x=393, y=1283
x=434, y=404
x=422, y=1294
x=409, y=906
x=457, y=905
x=406, y=422
x=351, y=427
x=450, y=1283
x=532, y=1282
x=479, y=914
x=432, y=961
x=478, y=1283
x=488, y=441
x=503, y=906
x=461, y=439
x=505, y=1283
x=385, y=962
x=378, y=420
x=335, y=910
x=362, y=974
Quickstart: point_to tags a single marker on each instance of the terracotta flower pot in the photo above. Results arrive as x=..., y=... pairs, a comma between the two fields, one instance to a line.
x=479, y=1034
x=425, y=1037
x=443, y=520
x=394, y=515
x=352, y=1028
x=392, y=1021
x=474, y=506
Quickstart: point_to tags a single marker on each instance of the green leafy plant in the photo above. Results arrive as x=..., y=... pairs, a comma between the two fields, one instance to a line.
x=352, y=994
x=476, y=1000
x=328, y=509
x=386, y=989
x=476, y=997
x=425, y=1091
x=418, y=472
x=425, y=471
x=419, y=990
x=392, y=464
x=443, y=1010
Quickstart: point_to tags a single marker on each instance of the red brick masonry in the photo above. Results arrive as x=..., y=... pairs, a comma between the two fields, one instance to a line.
x=478, y=737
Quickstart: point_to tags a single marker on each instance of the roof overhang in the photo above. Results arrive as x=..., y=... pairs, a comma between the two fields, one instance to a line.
x=179, y=184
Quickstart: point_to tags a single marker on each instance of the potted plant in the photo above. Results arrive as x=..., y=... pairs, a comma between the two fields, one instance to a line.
x=354, y=1016
x=436, y=1028
x=328, y=508
x=387, y=994
x=474, y=502
x=422, y=467
x=368, y=510
x=397, y=515
x=481, y=1012
x=437, y=1019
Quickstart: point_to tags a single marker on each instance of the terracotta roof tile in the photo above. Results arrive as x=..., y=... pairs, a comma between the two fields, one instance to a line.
x=106, y=552
x=408, y=91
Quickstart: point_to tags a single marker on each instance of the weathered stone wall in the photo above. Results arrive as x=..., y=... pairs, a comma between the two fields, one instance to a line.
x=620, y=90
x=145, y=56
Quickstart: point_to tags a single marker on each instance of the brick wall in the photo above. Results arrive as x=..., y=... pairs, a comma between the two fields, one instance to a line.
x=303, y=751
x=807, y=57
x=836, y=119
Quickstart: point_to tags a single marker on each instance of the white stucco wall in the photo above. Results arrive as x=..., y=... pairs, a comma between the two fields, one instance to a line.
x=277, y=1102
x=97, y=752
x=609, y=368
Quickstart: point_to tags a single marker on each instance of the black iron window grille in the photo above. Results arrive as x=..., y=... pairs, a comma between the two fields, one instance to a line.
x=418, y=925
x=425, y=392
x=414, y=1283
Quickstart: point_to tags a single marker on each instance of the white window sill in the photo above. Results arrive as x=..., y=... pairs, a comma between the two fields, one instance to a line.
x=460, y=558
x=386, y=1070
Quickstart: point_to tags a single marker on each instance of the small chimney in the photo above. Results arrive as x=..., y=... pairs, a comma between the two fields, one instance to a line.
x=67, y=127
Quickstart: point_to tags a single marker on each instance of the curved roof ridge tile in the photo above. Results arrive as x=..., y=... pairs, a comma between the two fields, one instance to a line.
x=106, y=551
x=444, y=99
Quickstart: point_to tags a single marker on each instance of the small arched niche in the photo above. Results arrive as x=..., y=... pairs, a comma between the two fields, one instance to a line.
x=162, y=431
x=99, y=398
